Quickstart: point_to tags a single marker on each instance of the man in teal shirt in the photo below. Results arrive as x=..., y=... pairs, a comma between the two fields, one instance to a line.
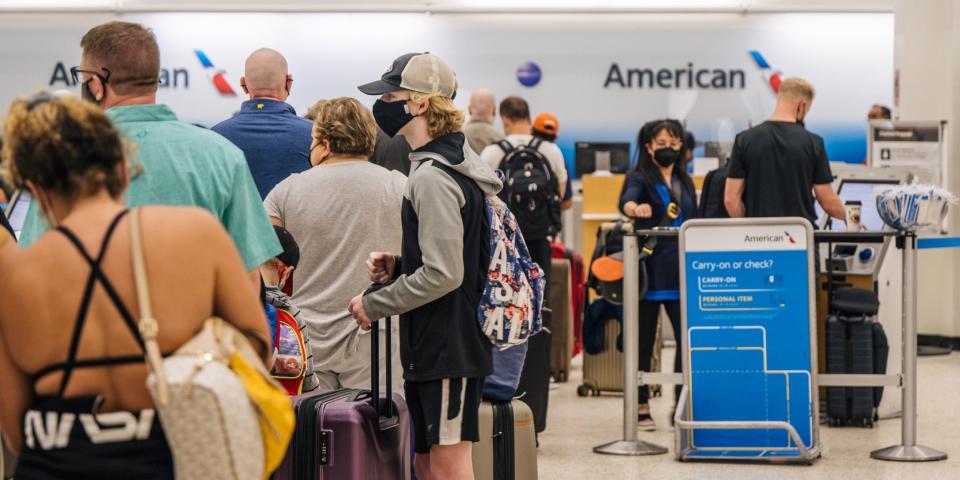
x=181, y=164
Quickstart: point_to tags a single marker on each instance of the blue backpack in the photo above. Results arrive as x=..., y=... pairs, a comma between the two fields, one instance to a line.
x=509, y=310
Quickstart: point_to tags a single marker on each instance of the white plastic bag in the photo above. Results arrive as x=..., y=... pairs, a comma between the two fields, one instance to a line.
x=913, y=207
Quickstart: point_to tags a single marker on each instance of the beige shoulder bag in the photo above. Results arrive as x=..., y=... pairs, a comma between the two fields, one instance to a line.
x=211, y=424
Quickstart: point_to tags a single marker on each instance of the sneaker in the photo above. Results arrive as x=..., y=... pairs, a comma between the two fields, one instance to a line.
x=645, y=422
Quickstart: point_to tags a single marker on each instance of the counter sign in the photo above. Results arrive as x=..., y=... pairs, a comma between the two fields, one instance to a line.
x=748, y=333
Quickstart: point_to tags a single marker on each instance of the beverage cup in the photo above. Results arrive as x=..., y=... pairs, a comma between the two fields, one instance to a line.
x=852, y=211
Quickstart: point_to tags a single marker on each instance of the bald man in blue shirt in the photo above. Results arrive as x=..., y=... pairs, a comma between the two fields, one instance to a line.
x=274, y=139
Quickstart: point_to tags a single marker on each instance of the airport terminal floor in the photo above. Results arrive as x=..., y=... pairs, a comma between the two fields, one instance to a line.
x=576, y=425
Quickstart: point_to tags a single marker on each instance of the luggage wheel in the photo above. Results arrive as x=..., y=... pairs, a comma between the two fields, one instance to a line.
x=584, y=391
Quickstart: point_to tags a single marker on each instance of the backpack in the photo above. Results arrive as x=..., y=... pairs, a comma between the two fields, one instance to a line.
x=509, y=310
x=609, y=244
x=531, y=189
x=289, y=353
x=608, y=253
x=711, y=198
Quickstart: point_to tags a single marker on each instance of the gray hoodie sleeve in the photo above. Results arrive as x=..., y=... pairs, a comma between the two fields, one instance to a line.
x=437, y=200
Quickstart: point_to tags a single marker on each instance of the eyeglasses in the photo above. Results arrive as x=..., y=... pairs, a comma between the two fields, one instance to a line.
x=76, y=71
x=38, y=99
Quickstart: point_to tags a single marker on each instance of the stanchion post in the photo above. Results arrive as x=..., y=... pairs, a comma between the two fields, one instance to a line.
x=631, y=326
x=908, y=450
x=629, y=445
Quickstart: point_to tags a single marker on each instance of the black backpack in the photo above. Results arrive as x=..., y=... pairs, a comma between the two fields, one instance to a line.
x=609, y=243
x=711, y=198
x=530, y=190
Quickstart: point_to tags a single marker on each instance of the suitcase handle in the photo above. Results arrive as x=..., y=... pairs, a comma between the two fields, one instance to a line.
x=388, y=418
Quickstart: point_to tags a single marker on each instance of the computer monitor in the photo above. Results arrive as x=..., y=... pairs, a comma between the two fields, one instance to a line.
x=821, y=215
x=17, y=210
x=593, y=156
x=862, y=190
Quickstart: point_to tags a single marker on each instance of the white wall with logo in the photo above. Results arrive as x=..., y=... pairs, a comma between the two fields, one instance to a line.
x=847, y=56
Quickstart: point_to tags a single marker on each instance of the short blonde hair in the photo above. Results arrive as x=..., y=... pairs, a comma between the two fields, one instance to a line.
x=797, y=87
x=443, y=116
x=347, y=125
x=314, y=109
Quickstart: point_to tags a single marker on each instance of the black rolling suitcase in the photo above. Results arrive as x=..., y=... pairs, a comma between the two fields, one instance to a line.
x=534, y=386
x=856, y=344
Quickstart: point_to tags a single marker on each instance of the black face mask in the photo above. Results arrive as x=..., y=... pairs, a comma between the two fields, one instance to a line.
x=86, y=94
x=392, y=116
x=667, y=156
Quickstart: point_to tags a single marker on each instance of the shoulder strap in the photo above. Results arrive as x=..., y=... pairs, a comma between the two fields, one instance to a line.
x=534, y=143
x=508, y=149
x=673, y=209
x=96, y=274
x=676, y=190
x=148, y=324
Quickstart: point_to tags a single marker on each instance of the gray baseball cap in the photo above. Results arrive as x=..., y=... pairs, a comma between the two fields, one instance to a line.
x=418, y=72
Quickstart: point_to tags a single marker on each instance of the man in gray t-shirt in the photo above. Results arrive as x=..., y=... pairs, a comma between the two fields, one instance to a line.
x=339, y=212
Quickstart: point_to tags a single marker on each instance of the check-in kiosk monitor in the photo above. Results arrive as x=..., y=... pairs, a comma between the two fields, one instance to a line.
x=601, y=157
x=864, y=191
x=17, y=210
x=859, y=185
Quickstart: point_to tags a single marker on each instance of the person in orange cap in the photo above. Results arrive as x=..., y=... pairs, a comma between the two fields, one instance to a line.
x=545, y=127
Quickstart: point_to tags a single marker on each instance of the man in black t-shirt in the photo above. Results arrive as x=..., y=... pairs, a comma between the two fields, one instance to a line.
x=777, y=167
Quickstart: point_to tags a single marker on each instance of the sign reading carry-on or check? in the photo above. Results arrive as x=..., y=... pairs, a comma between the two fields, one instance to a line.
x=749, y=340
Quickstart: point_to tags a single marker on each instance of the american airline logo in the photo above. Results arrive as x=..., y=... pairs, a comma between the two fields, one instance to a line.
x=770, y=238
x=770, y=76
x=215, y=76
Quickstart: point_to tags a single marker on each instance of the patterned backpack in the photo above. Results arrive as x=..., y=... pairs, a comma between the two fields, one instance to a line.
x=509, y=310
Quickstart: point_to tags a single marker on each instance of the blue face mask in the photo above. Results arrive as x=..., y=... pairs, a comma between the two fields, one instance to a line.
x=392, y=116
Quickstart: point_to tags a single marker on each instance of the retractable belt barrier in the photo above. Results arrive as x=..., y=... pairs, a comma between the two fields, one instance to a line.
x=789, y=429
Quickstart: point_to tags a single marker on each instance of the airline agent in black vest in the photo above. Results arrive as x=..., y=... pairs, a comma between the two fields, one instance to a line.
x=658, y=181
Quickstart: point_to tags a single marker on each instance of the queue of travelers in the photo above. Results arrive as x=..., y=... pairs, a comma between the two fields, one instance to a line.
x=278, y=225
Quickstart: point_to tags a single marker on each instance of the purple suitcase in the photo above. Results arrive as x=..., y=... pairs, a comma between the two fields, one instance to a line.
x=345, y=435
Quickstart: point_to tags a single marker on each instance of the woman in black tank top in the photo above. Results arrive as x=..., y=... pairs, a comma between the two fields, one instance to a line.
x=79, y=441
x=69, y=437
x=64, y=393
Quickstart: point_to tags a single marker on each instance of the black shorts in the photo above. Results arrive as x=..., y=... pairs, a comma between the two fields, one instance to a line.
x=444, y=412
